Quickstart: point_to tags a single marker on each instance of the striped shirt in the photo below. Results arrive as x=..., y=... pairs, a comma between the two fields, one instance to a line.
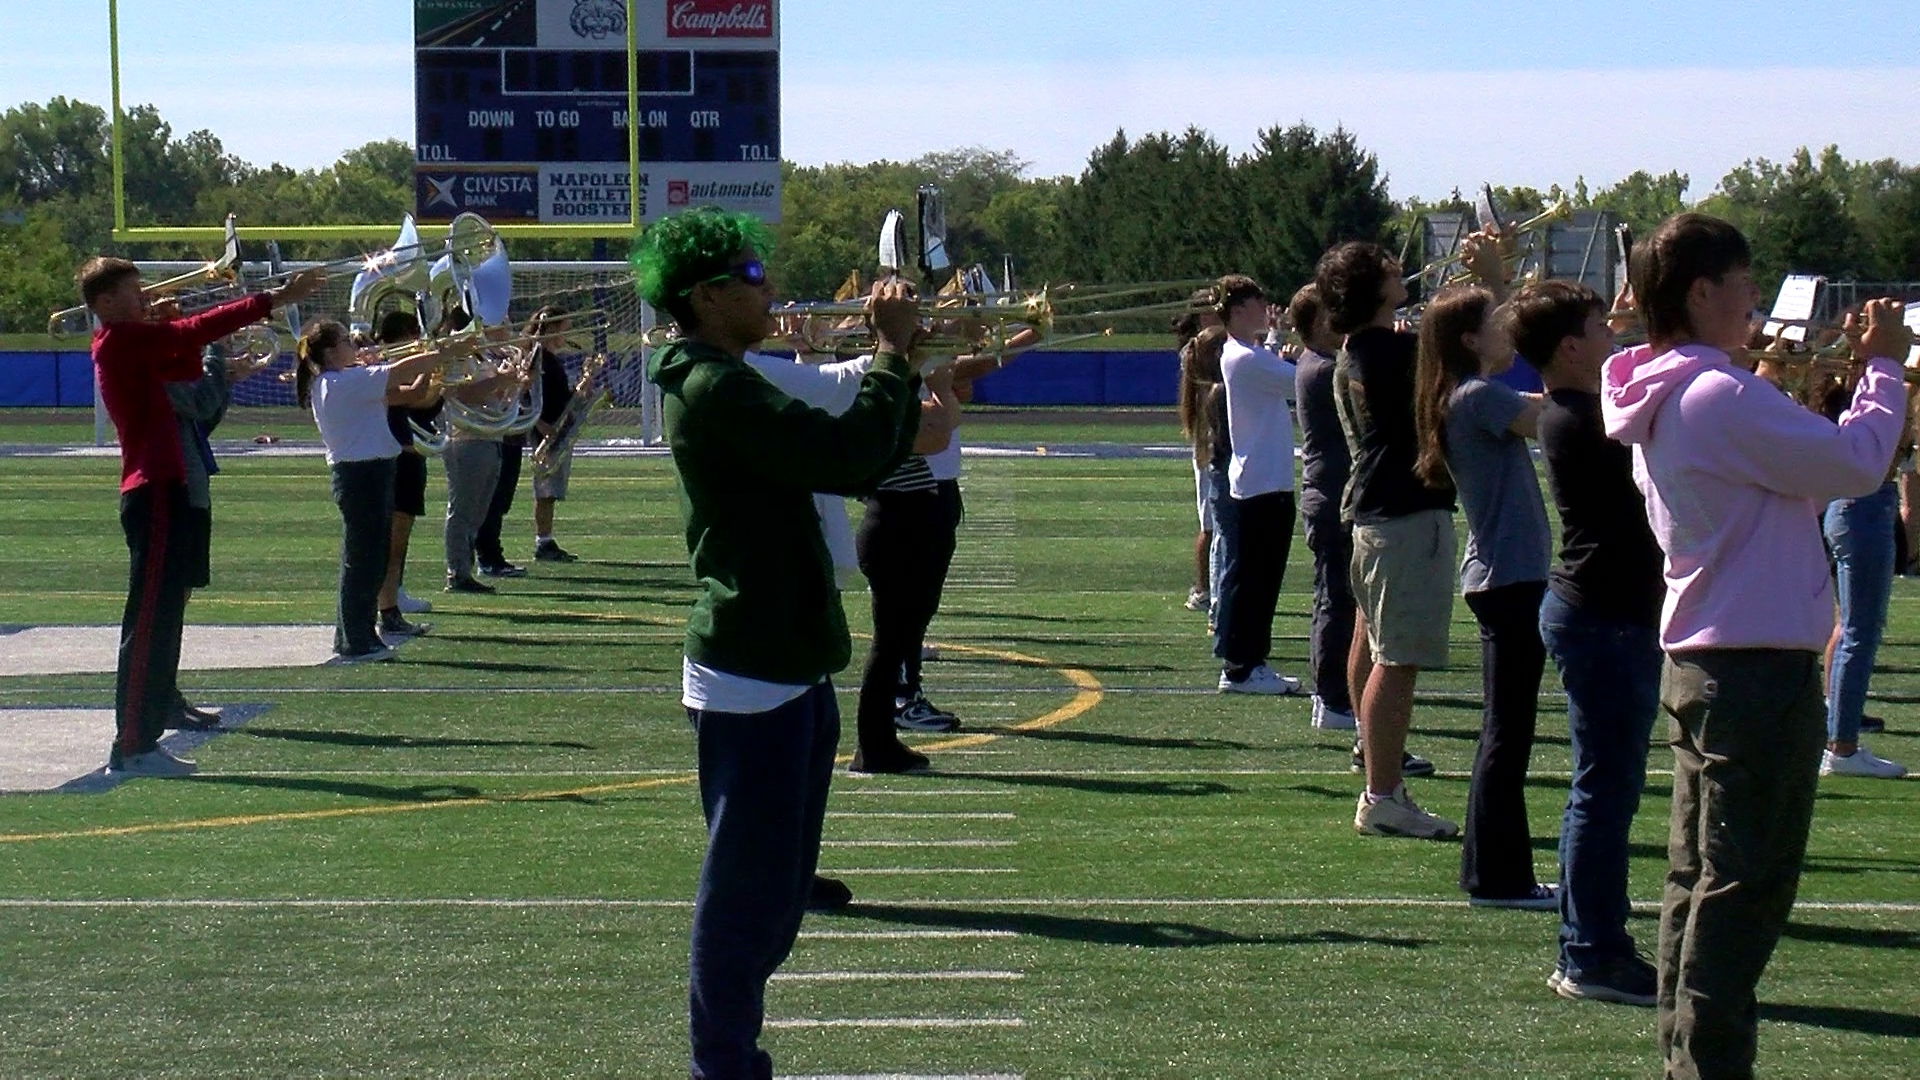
x=913, y=475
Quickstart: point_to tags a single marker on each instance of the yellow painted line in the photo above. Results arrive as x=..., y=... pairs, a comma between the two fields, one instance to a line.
x=1087, y=694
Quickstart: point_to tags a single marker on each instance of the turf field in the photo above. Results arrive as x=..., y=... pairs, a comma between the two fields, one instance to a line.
x=478, y=861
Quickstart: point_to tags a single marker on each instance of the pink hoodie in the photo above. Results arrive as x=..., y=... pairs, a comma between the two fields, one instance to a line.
x=1735, y=474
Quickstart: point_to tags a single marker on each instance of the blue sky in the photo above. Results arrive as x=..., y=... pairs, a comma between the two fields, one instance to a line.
x=1446, y=93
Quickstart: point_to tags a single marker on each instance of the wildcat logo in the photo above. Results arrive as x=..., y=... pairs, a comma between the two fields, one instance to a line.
x=598, y=19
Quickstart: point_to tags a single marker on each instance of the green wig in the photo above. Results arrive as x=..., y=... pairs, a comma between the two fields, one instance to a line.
x=676, y=253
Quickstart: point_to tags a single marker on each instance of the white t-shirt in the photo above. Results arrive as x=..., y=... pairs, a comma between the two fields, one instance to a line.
x=945, y=465
x=703, y=688
x=350, y=406
x=833, y=388
x=1260, y=419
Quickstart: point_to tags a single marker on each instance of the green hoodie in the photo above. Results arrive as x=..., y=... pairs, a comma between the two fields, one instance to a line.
x=749, y=460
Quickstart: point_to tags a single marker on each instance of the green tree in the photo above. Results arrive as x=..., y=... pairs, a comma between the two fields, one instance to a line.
x=1644, y=200
x=1302, y=193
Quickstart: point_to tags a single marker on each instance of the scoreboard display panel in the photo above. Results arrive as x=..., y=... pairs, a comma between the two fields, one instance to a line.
x=521, y=108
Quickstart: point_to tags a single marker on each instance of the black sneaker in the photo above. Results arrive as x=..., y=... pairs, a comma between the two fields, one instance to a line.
x=918, y=714
x=897, y=760
x=395, y=625
x=1410, y=764
x=468, y=585
x=503, y=569
x=828, y=894
x=1627, y=980
x=1872, y=725
x=548, y=551
x=188, y=718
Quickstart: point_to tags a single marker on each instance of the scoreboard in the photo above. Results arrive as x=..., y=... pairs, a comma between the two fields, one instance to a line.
x=521, y=108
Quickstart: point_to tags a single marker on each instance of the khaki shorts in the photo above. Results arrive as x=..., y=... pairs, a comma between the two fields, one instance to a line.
x=1403, y=579
x=553, y=486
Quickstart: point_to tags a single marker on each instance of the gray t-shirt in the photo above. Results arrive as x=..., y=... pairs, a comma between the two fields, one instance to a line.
x=1507, y=536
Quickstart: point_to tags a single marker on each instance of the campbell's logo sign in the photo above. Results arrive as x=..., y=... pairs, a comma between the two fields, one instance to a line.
x=718, y=18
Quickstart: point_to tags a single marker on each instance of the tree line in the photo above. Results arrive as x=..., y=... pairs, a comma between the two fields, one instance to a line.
x=1161, y=206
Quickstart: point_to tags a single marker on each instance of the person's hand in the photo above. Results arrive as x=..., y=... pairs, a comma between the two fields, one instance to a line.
x=1480, y=253
x=1622, y=317
x=165, y=309
x=894, y=313
x=939, y=381
x=300, y=286
x=1885, y=332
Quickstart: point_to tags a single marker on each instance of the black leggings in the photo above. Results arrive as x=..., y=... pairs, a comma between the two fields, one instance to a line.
x=364, y=492
x=1496, y=858
x=906, y=544
x=486, y=544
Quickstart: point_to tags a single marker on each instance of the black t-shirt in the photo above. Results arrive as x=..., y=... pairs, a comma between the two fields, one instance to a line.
x=1609, y=562
x=1325, y=461
x=398, y=415
x=1373, y=392
x=556, y=390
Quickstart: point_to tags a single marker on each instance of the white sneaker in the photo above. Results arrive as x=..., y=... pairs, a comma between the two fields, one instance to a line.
x=158, y=761
x=382, y=651
x=1331, y=719
x=1398, y=815
x=1197, y=600
x=413, y=605
x=1861, y=762
x=1261, y=680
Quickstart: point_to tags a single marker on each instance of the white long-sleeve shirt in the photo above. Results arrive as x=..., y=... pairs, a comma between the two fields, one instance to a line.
x=832, y=387
x=1259, y=419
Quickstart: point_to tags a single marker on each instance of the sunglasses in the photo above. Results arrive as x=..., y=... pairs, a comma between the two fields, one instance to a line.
x=751, y=272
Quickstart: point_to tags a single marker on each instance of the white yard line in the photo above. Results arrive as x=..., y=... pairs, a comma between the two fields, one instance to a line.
x=903, y=1022
x=894, y=976
x=917, y=843
x=891, y=935
x=903, y=871
x=1383, y=902
x=929, y=815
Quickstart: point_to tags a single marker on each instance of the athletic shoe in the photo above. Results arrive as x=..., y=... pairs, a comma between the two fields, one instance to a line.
x=413, y=605
x=1398, y=815
x=919, y=714
x=187, y=718
x=1872, y=725
x=1628, y=980
x=503, y=569
x=828, y=894
x=1331, y=719
x=1410, y=764
x=1261, y=680
x=548, y=551
x=469, y=585
x=1197, y=600
x=1541, y=898
x=1861, y=762
x=158, y=761
x=394, y=625
x=377, y=653
x=899, y=760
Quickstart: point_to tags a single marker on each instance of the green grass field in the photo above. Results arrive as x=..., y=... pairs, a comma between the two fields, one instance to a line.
x=479, y=861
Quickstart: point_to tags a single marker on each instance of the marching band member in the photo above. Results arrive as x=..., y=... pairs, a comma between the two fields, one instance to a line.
x=1258, y=512
x=768, y=631
x=1203, y=595
x=1473, y=433
x=349, y=399
x=1324, y=465
x=1403, y=541
x=137, y=349
x=1734, y=475
x=1600, y=621
x=198, y=407
x=416, y=402
x=549, y=330
x=473, y=461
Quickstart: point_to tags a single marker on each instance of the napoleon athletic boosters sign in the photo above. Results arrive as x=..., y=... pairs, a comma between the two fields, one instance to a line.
x=719, y=18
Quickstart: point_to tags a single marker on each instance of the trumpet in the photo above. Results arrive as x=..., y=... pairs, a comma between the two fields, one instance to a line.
x=1511, y=256
x=223, y=271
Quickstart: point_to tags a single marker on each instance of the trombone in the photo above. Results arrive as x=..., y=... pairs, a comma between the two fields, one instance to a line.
x=224, y=270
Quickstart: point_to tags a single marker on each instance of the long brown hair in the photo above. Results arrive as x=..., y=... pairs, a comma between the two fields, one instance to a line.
x=1445, y=362
x=318, y=336
x=1199, y=374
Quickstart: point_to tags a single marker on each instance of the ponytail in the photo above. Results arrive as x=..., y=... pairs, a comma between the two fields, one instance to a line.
x=316, y=339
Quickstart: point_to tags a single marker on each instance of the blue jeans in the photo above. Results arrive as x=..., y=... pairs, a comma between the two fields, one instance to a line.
x=1611, y=670
x=1860, y=536
x=763, y=787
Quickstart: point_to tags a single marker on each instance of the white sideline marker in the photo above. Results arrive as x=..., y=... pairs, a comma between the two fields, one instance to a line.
x=902, y=871
x=930, y=815
x=914, y=1076
x=893, y=976
x=909, y=793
